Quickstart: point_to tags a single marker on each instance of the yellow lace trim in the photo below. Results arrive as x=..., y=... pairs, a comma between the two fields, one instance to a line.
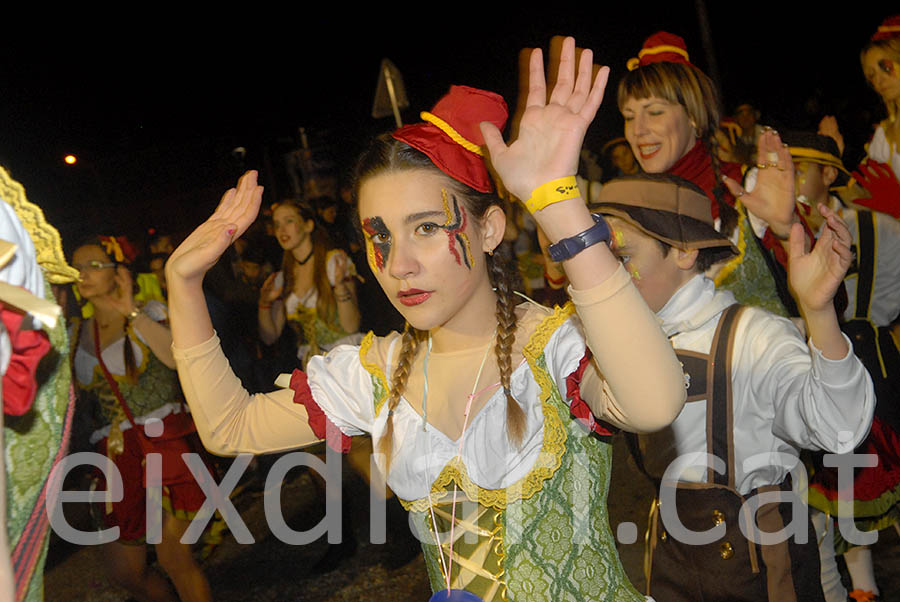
x=550, y=457
x=47, y=243
x=741, y=245
x=372, y=368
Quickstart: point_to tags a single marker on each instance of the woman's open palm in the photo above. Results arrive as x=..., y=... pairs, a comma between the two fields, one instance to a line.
x=550, y=133
x=200, y=251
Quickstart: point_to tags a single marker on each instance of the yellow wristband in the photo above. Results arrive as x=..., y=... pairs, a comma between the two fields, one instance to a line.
x=554, y=191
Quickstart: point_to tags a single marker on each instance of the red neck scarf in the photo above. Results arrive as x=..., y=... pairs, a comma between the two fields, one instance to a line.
x=696, y=166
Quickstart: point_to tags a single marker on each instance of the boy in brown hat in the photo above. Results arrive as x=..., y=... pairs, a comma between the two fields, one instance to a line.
x=757, y=394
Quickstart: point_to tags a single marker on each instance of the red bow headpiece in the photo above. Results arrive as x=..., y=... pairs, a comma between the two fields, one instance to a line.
x=119, y=249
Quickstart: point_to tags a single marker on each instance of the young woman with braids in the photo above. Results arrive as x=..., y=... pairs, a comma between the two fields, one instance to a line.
x=473, y=405
x=315, y=289
x=671, y=112
x=125, y=377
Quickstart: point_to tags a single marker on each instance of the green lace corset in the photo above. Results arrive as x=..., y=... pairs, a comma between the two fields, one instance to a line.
x=547, y=537
x=156, y=385
x=316, y=331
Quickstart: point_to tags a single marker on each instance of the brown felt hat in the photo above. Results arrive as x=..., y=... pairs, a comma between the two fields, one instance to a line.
x=666, y=208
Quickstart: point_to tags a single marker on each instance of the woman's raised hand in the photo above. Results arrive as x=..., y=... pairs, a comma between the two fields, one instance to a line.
x=200, y=251
x=772, y=198
x=550, y=133
x=121, y=298
x=269, y=292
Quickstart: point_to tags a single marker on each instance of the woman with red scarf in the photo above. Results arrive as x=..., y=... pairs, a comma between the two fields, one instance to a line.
x=671, y=112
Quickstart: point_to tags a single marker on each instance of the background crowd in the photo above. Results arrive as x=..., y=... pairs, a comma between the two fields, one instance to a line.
x=299, y=282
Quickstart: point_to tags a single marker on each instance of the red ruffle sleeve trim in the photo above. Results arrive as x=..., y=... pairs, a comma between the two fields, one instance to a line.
x=321, y=425
x=579, y=408
x=28, y=347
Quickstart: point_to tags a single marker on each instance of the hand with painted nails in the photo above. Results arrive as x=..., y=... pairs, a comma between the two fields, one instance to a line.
x=550, y=132
x=815, y=275
x=772, y=199
x=203, y=247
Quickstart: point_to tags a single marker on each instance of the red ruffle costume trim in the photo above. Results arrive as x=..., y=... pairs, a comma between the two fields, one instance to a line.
x=324, y=428
x=28, y=348
x=578, y=407
x=321, y=425
x=872, y=482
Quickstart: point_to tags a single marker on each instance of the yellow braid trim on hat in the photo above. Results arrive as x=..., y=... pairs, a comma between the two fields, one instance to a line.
x=46, y=239
x=454, y=135
x=816, y=156
x=634, y=63
x=887, y=28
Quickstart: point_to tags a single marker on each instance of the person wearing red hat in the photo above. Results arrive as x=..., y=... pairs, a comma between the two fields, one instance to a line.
x=880, y=60
x=472, y=406
x=671, y=112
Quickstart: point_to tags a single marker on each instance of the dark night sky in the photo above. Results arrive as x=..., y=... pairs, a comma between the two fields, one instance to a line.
x=153, y=106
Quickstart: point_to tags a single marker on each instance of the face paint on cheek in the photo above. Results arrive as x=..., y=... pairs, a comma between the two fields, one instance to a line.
x=376, y=252
x=455, y=227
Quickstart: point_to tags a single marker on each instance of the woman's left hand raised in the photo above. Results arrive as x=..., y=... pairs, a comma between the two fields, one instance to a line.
x=121, y=297
x=550, y=133
x=772, y=198
x=203, y=247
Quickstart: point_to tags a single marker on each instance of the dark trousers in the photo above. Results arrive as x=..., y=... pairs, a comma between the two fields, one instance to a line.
x=731, y=569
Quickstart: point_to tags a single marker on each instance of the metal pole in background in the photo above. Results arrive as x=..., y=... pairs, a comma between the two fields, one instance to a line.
x=708, y=49
x=389, y=81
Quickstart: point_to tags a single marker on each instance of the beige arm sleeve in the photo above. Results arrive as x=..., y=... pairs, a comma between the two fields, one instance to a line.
x=635, y=382
x=230, y=420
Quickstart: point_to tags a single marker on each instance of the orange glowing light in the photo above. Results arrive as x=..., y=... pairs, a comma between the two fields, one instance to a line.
x=70, y=159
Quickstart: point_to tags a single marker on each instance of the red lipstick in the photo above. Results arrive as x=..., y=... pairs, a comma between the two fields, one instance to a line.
x=413, y=296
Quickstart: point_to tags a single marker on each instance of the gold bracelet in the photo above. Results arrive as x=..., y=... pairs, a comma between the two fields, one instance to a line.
x=554, y=191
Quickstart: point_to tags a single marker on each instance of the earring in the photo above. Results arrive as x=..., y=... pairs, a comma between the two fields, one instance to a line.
x=491, y=252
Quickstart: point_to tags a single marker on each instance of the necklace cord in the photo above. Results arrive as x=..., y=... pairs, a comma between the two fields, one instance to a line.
x=448, y=564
